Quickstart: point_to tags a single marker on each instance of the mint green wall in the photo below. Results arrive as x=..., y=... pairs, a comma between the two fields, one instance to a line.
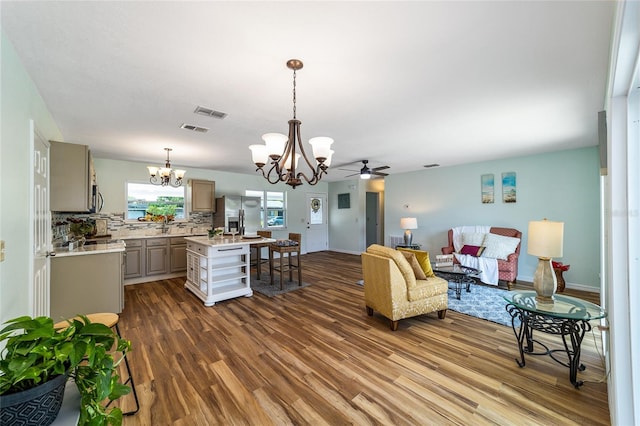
x=561, y=186
x=21, y=103
x=112, y=175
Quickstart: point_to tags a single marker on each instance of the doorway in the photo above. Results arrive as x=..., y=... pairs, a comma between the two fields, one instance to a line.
x=372, y=214
x=317, y=238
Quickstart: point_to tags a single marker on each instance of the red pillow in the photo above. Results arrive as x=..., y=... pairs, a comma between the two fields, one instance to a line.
x=472, y=250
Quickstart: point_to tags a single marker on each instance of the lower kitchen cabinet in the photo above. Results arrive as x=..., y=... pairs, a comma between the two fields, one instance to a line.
x=157, y=259
x=86, y=284
x=178, y=255
x=134, y=262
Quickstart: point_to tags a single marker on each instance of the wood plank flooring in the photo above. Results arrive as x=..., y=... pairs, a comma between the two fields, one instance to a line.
x=314, y=357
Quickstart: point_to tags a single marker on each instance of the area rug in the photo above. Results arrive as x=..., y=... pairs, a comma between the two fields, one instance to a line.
x=263, y=285
x=484, y=301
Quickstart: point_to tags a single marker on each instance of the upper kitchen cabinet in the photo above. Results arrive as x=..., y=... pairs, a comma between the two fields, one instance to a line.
x=73, y=178
x=202, y=195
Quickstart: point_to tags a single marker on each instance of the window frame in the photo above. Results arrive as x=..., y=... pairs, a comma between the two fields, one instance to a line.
x=264, y=209
x=142, y=182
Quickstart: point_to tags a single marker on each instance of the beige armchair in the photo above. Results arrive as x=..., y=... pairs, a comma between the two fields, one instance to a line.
x=391, y=288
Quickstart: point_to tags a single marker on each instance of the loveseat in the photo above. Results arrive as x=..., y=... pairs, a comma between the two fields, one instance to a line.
x=391, y=287
x=508, y=266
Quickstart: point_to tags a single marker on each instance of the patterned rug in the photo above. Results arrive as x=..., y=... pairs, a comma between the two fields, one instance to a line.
x=484, y=301
x=263, y=286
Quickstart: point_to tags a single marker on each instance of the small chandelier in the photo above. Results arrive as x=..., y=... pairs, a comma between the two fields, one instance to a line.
x=279, y=150
x=165, y=173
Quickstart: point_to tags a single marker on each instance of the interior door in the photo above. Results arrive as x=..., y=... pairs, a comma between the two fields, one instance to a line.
x=41, y=222
x=317, y=238
x=373, y=229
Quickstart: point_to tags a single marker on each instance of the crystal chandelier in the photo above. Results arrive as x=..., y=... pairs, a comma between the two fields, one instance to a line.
x=283, y=153
x=163, y=175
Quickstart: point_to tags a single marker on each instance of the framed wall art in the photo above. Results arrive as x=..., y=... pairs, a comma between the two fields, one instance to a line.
x=509, y=187
x=486, y=187
x=344, y=201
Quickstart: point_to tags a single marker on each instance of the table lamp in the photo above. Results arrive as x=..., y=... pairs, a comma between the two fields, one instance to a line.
x=408, y=223
x=545, y=242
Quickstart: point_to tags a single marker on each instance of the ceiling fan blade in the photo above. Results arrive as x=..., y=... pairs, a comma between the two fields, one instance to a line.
x=350, y=170
x=375, y=169
x=379, y=173
x=355, y=174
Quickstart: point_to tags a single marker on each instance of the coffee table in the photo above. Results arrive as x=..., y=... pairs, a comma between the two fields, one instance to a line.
x=565, y=316
x=460, y=276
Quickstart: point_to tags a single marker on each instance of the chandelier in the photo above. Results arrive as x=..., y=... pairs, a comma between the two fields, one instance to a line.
x=163, y=175
x=283, y=153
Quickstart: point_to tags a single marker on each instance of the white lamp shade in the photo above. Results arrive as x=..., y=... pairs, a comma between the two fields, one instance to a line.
x=165, y=172
x=321, y=146
x=366, y=175
x=275, y=143
x=327, y=162
x=287, y=164
x=409, y=223
x=179, y=173
x=259, y=154
x=152, y=170
x=545, y=238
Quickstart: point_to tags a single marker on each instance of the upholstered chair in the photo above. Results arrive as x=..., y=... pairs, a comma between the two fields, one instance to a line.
x=391, y=287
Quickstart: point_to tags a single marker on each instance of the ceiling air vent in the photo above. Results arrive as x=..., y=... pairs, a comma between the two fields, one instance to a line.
x=194, y=128
x=210, y=112
x=428, y=166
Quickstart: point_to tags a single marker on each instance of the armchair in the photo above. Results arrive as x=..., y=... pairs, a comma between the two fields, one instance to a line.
x=391, y=288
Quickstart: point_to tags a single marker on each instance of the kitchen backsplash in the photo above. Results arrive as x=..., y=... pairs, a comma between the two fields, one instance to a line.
x=117, y=227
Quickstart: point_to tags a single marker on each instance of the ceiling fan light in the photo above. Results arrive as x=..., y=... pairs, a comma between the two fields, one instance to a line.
x=365, y=174
x=275, y=143
x=259, y=154
x=321, y=146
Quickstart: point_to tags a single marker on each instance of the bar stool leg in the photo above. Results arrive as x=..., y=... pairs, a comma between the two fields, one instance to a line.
x=299, y=269
x=129, y=380
x=271, y=266
x=281, y=279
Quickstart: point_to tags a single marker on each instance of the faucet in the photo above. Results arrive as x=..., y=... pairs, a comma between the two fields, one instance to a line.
x=165, y=222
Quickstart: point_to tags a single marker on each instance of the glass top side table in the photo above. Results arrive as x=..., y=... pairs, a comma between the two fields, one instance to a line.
x=567, y=316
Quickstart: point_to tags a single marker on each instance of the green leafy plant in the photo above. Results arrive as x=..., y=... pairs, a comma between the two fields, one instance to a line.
x=36, y=351
x=162, y=209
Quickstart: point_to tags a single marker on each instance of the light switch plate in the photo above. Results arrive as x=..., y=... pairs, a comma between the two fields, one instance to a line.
x=2, y=251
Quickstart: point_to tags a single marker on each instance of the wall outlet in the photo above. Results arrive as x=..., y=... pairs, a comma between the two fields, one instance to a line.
x=2, y=251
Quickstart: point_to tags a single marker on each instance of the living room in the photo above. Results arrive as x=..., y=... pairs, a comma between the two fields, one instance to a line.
x=562, y=185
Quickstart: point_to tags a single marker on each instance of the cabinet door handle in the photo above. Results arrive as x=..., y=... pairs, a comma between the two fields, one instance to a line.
x=50, y=254
x=230, y=249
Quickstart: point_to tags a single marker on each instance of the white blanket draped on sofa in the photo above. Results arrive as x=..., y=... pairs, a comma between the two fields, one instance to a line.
x=488, y=267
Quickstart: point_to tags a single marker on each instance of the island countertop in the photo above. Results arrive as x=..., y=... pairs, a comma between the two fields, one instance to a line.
x=229, y=241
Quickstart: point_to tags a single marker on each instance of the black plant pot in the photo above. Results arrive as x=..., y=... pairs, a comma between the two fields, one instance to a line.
x=37, y=406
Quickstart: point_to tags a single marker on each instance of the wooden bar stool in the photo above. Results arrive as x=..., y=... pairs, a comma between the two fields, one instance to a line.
x=289, y=250
x=259, y=246
x=111, y=320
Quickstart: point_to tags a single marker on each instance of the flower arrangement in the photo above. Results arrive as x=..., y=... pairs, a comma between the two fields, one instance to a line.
x=560, y=266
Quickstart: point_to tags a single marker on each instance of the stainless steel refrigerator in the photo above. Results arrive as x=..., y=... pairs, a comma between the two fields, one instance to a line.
x=239, y=212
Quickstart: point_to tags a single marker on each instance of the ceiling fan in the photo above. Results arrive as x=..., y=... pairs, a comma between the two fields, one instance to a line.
x=366, y=172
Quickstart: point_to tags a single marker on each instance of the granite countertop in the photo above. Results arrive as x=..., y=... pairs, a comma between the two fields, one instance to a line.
x=145, y=237
x=229, y=241
x=111, y=246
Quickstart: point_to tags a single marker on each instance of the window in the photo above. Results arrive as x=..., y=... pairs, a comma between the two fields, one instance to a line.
x=274, y=210
x=145, y=200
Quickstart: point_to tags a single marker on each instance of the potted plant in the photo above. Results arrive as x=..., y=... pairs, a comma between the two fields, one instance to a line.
x=37, y=354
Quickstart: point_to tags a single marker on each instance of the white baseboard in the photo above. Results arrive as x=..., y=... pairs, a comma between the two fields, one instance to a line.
x=573, y=286
x=357, y=253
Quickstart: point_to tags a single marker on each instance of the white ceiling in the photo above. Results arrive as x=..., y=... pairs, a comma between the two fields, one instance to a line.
x=399, y=83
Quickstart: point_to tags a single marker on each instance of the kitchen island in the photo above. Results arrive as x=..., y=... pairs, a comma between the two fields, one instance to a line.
x=219, y=268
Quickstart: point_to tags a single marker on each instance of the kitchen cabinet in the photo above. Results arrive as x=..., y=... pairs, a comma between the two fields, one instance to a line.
x=86, y=284
x=201, y=194
x=157, y=256
x=134, y=262
x=177, y=255
x=72, y=178
x=217, y=270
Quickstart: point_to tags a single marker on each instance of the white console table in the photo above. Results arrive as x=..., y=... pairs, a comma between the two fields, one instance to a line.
x=218, y=268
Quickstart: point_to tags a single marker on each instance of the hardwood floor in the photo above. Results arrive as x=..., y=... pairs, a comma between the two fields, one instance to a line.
x=313, y=356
